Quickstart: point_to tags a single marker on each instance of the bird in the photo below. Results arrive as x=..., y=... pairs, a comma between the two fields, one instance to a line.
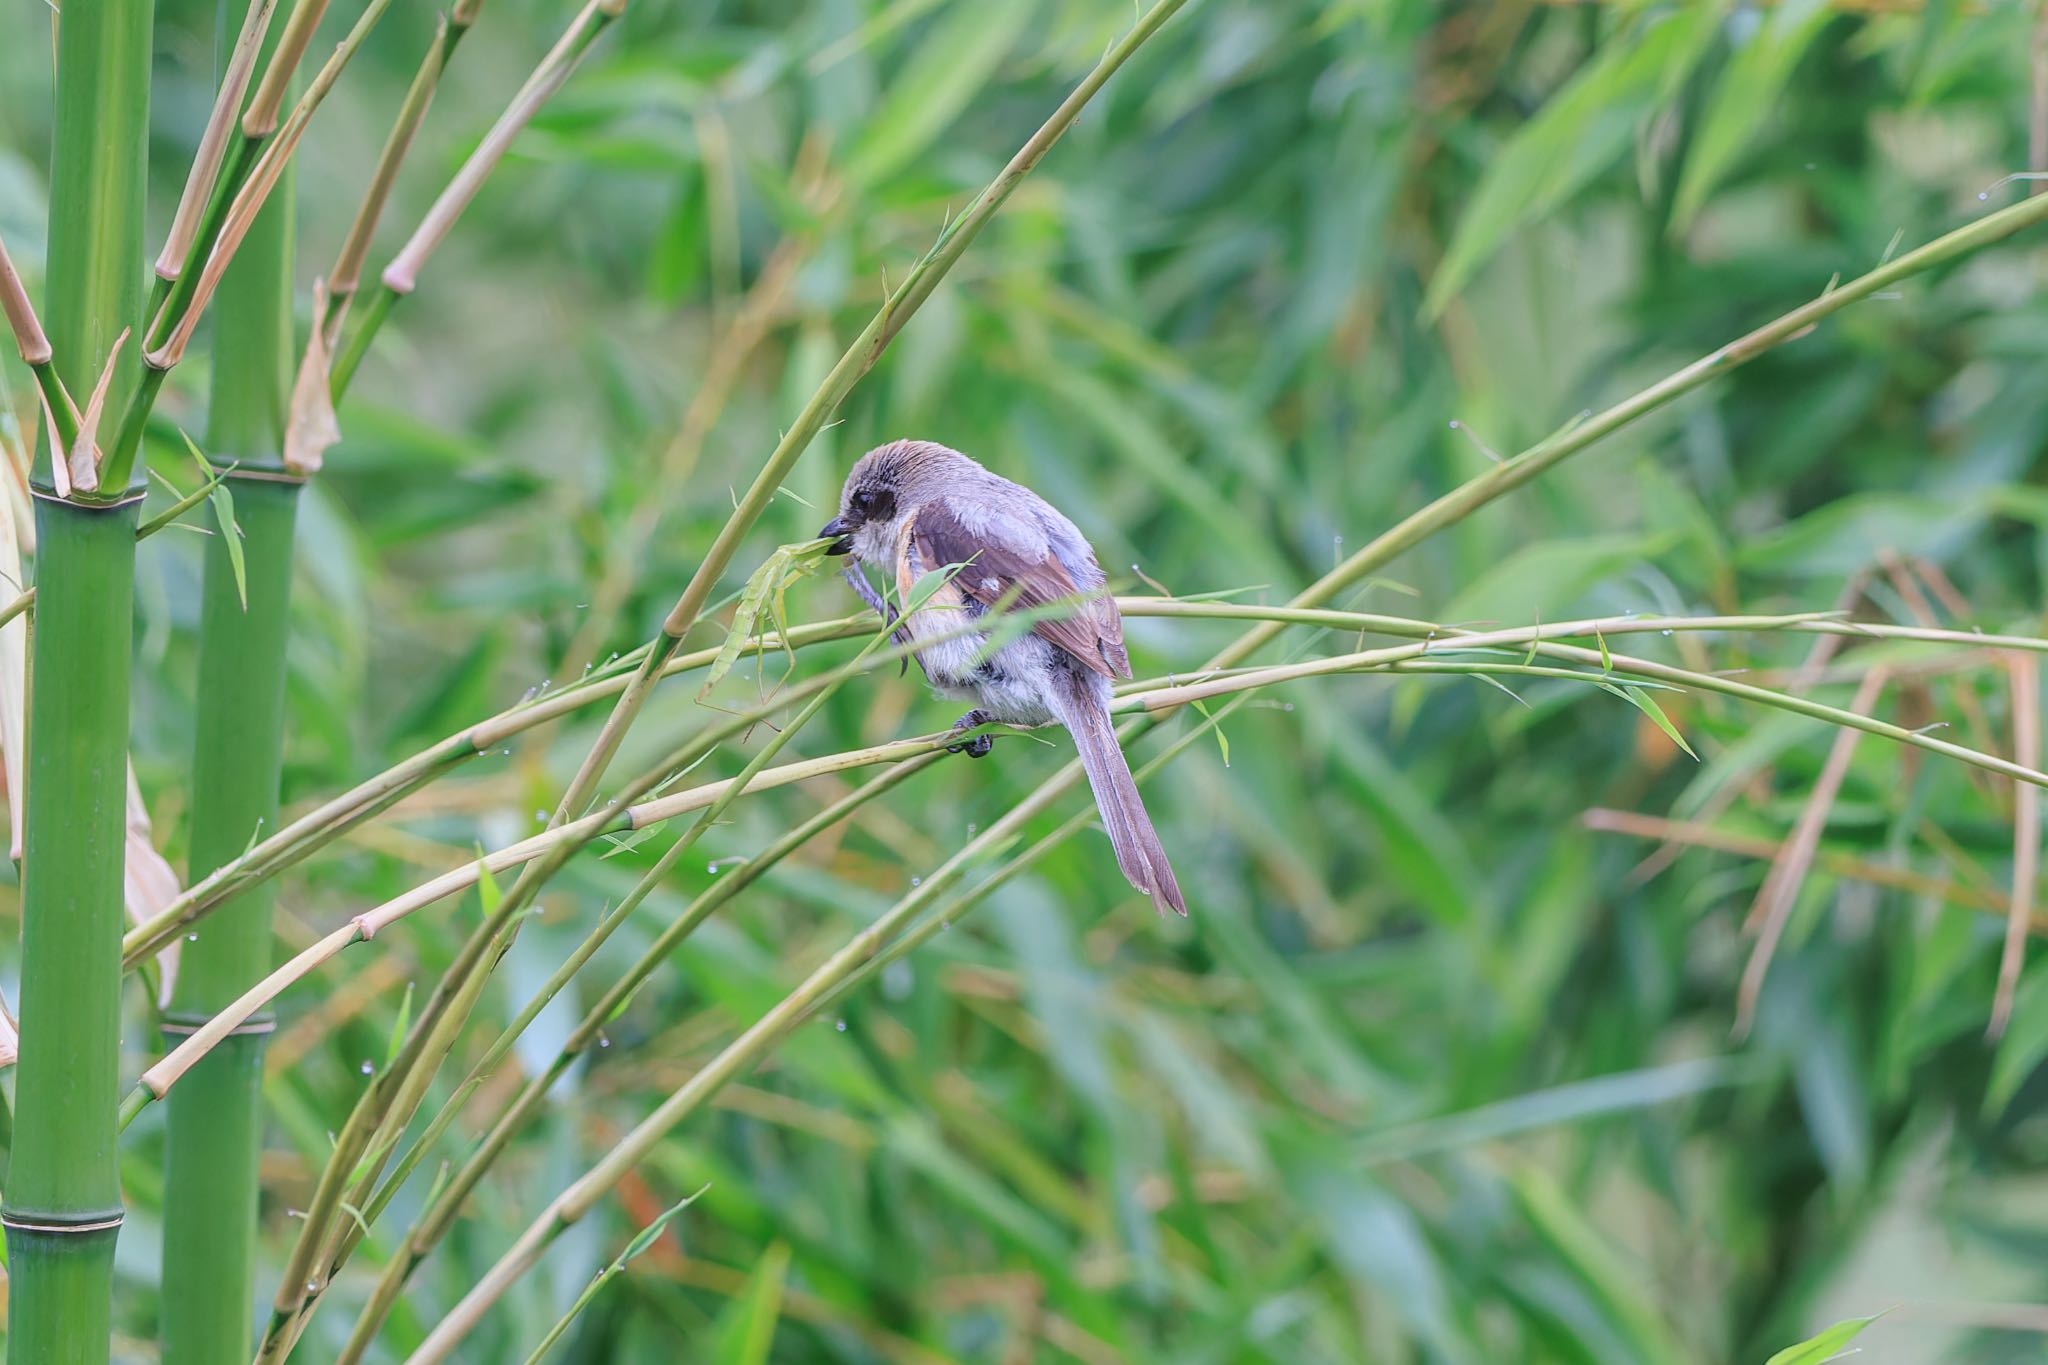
x=911, y=507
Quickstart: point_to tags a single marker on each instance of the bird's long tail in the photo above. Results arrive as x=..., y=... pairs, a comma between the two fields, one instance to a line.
x=1138, y=851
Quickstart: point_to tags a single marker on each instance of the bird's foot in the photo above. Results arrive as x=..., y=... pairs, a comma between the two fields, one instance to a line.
x=979, y=746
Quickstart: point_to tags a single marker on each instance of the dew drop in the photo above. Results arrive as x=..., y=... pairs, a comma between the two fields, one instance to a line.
x=1666, y=632
x=367, y=1068
x=840, y=1024
x=312, y=1288
x=603, y=1038
x=944, y=925
x=917, y=881
x=541, y=816
x=191, y=938
x=972, y=827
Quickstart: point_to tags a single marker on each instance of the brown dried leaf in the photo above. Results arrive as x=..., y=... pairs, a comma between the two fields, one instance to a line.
x=149, y=882
x=83, y=459
x=310, y=426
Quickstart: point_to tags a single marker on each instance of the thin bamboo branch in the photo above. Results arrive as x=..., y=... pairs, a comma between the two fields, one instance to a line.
x=212, y=153
x=260, y=120
x=402, y=275
x=319, y=827
x=21, y=314
x=412, y=113
x=157, y=1081
x=335, y=817
x=576, y=1201
x=1511, y=474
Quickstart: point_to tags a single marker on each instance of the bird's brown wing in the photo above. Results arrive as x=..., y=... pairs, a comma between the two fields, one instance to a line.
x=1089, y=628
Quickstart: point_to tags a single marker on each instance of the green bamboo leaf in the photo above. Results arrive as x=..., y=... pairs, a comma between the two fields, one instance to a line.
x=747, y=1328
x=644, y=1239
x=231, y=536
x=488, y=893
x=1826, y=1346
x=1644, y=702
x=949, y=69
x=1610, y=1281
x=1744, y=99
x=1584, y=129
x=1222, y=740
x=632, y=839
x=763, y=592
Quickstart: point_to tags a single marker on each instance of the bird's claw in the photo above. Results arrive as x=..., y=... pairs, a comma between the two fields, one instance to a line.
x=978, y=746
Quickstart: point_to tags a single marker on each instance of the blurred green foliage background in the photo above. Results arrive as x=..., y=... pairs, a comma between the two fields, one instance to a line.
x=1433, y=1072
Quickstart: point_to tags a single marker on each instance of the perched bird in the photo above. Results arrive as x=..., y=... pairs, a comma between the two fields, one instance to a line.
x=911, y=507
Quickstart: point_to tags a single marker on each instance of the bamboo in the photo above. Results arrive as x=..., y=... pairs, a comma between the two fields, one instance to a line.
x=335, y=817
x=62, y=1210
x=214, y=1131
x=897, y=310
x=401, y=277
x=63, y=1202
x=293, y=1317
x=98, y=166
x=433, y=1223
x=347, y=270
x=1508, y=475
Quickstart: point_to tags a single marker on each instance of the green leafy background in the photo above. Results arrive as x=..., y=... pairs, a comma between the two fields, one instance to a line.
x=1432, y=1072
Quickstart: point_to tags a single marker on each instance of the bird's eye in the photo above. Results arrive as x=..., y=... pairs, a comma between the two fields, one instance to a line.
x=861, y=500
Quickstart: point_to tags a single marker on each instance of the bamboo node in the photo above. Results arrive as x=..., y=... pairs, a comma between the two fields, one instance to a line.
x=59, y=1227
x=186, y=1027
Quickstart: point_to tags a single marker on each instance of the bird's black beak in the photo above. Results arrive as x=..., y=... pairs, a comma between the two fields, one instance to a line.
x=840, y=532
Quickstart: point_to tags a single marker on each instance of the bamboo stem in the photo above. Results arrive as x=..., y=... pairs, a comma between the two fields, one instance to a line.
x=401, y=276
x=316, y=829
x=63, y=1201
x=98, y=167
x=214, y=1131
x=62, y=1210
x=347, y=271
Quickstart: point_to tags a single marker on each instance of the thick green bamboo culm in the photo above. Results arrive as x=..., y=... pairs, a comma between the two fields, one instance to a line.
x=63, y=1204
x=214, y=1140
x=98, y=173
x=214, y=1133
x=62, y=1209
